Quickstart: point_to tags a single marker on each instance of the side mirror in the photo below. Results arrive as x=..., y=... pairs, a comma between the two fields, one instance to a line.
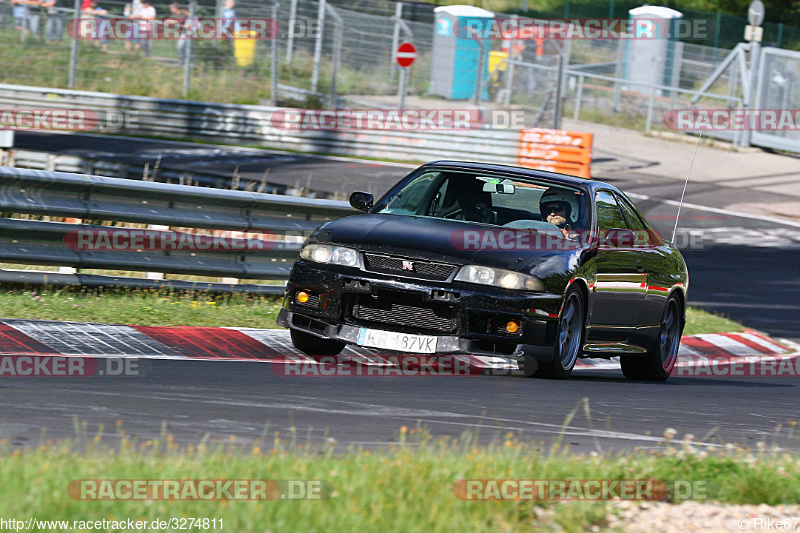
x=619, y=238
x=361, y=200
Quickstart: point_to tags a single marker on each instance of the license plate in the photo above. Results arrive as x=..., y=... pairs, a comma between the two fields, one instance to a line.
x=400, y=342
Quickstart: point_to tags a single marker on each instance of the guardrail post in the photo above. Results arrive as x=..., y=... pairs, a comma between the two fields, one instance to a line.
x=156, y=227
x=73, y=48
x=318, y=46
x=65, y=269
x=578, y=98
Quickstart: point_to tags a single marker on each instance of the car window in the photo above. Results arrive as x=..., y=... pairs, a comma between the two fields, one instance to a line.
x=608, y=214
x=487, y=199
x=408, y=199
x=631, y=219
x=635, y=222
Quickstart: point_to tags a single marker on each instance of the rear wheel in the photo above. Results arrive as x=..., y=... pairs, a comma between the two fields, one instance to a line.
x=313, y=345
x=569, y=341
x=658, y=362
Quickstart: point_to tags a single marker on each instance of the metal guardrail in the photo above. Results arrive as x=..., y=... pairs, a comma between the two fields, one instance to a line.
x=251, y=124
x=83, y=165
x=284, y=220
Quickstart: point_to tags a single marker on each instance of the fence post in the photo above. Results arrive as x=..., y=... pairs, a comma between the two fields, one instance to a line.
x=337, y=52
x=290, y=37
x=578, y=98
x=650, y=105
x=479, y=79
x=719, y=30
x=677, y=65
x=733, y=81
x=755, y=53
x=780, y=34
x=187, y=60
x=559, y=89
x=619, y=73
x=509, y=81
x=73, y=48
x=398, y=14
x=274, y=62
x=318, y=46
x=403, y=87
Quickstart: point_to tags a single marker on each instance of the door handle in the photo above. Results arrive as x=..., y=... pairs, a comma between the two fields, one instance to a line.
x=639, y=267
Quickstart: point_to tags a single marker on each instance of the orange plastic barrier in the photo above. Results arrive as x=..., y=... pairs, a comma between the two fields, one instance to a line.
x=567, y=152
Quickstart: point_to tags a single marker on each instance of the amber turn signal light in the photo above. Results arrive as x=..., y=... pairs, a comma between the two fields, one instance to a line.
x=302, y=297
x=512, y=327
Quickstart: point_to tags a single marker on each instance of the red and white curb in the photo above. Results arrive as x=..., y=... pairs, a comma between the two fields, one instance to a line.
x=83, y=339
x=717, y=349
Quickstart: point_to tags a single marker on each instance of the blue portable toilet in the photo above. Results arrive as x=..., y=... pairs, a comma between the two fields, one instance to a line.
x=455, y=57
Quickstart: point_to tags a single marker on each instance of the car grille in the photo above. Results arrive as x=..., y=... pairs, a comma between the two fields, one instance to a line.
x=405, y=310
x=421, y=269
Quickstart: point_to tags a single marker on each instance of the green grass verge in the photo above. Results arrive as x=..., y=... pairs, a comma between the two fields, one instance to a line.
x=158, y=308
x=406, y=488
x=142, y=307
x=699, y=321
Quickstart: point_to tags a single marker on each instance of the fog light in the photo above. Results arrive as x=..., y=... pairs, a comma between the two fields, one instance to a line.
x=302, y=297
x=512, y=327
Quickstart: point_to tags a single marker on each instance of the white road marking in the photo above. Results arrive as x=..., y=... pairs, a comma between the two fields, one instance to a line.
x=758, y=339
x=771, y=220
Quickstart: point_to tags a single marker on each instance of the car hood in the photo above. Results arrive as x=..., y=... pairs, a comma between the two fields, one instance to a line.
x=449, y=241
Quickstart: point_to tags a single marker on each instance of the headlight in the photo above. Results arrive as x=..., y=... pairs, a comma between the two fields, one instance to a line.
x=334, y=255
x=497, y=277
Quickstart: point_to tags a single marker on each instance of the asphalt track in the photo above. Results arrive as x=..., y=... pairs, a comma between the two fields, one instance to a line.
x=741, y=266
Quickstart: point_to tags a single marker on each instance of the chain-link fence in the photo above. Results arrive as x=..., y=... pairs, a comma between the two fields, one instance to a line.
x=345, y=48
x=355, y=51
x=721, y=31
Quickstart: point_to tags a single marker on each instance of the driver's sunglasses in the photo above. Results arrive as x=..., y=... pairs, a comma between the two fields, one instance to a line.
x=555, y=207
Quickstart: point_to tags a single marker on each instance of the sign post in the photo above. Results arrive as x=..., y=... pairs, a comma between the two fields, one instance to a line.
x=405, y=56
x=755, y=16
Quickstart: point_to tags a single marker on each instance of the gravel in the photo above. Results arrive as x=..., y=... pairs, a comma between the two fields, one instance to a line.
x=691, y=516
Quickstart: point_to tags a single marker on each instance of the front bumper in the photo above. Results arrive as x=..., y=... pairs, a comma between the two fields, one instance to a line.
x=475, y=312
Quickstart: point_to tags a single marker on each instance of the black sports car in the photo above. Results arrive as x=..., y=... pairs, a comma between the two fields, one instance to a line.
x=493, y=260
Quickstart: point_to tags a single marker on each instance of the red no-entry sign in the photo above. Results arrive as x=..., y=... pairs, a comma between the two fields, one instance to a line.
x=406, y=54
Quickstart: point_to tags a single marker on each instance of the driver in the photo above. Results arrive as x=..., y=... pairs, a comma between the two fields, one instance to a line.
x=560, y=208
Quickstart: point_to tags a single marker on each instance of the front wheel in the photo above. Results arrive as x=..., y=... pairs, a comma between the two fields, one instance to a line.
x=313, y=345
x=569, y=341
x=658, y=362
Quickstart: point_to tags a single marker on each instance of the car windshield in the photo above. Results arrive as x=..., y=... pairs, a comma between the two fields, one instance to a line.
x=519, y=203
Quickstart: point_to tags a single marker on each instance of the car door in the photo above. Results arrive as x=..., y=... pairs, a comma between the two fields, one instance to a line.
x=654, y=256
x=621, y=284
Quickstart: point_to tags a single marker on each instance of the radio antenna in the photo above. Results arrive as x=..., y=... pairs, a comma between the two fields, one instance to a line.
x=691, y=164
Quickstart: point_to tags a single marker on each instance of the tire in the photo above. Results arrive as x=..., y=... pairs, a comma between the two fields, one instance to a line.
x=570, y=339
x=312, y=345
x=658, y=362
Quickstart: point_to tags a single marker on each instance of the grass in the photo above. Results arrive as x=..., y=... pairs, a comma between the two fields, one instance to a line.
x=699, y=321
x=406, y=488
x=160, y=308
x=142, y=307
